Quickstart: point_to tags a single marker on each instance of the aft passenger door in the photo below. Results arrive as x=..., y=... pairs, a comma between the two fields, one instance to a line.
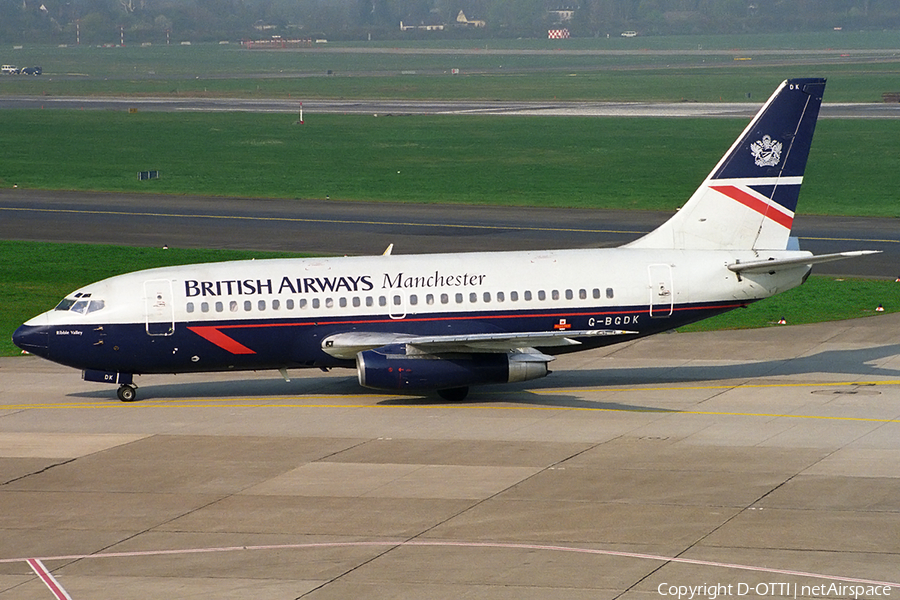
x=159, y=307
x=662, y=296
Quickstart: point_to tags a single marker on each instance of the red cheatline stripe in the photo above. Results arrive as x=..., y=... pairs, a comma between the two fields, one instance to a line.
x=49, y=580
x=212, y=334
x=766, y=210
x=461, y=317
x=221, y=340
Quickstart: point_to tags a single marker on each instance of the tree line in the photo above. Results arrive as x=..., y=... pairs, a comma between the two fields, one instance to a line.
x=156, y=21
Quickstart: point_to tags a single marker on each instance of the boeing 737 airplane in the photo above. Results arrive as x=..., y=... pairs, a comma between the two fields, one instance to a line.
x=445, y=322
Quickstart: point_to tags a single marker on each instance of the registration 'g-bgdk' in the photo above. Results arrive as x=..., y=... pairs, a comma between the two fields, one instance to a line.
x=448, y=321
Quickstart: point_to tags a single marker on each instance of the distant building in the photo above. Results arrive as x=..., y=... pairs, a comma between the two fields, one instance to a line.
x=561, y=15
x=560, y=12
x=462, y=20
x=423, y=27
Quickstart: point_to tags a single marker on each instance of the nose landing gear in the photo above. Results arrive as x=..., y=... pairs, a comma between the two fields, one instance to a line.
x=127, y=392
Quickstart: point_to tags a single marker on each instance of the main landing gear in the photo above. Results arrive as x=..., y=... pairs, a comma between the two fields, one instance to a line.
x=127, y=392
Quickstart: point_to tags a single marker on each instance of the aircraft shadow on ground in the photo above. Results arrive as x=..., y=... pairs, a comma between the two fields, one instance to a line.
x=859, y=362
x=833, y=362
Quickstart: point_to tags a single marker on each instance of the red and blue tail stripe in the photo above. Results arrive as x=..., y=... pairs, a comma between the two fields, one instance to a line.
x=748, y=200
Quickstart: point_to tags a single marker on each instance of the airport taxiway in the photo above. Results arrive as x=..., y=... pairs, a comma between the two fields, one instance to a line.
x=846, y=110
x=337, y=228
x=766, y=458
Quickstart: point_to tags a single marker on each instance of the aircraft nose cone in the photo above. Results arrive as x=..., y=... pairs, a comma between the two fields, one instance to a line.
x=33, y=339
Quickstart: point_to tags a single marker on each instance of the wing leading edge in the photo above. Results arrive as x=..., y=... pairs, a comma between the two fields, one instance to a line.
x=347, y=345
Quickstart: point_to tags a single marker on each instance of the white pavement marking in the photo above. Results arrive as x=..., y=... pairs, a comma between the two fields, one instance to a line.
x=45, y=575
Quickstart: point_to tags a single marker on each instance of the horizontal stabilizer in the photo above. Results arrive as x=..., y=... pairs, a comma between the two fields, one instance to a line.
x=764, y=266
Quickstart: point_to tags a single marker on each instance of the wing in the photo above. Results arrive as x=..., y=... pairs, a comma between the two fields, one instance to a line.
x=347, y=345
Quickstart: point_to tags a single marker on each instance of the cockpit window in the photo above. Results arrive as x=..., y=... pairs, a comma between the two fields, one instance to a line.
x=66, y=304
x=82, y=307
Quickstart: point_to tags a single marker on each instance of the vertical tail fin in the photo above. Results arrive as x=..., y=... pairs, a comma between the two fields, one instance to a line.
x=748, y=200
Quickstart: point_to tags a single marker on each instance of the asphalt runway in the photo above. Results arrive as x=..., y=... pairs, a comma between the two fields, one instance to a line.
x=763, y=462
x=436, y=107
x=338, y=228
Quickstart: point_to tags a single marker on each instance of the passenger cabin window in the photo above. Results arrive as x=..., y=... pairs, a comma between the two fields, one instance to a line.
x=609, y=293
x=190, y=307
x=289, y=304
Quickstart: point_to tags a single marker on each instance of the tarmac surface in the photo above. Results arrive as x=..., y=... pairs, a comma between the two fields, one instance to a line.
x=766, y=460
x=836, y=110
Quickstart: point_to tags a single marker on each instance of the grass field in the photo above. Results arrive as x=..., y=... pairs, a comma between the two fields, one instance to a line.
x=666, y=82
x=37, y=275
x=861, y=65
x=652, y=164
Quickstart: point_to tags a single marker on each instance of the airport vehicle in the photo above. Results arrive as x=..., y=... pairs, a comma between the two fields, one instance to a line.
x=9, y=70
x=446, y=322
x=31, y=71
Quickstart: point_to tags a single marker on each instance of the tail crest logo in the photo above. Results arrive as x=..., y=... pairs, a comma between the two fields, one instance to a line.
x=766, y=152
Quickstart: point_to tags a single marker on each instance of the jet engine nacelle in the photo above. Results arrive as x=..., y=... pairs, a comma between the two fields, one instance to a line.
x=391, y=368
